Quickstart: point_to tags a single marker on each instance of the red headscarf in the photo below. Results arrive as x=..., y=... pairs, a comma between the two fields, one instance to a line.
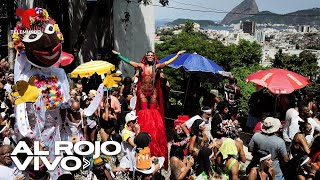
x=157, y=84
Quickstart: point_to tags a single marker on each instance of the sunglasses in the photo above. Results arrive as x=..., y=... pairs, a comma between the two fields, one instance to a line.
x=134, y=121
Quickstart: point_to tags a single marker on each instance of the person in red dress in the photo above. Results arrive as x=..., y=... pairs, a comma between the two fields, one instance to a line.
x=149, y=105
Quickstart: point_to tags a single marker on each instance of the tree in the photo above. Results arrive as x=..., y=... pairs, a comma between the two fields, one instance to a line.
x=148, y=2
x=248, y=53
x=166, y=32
x=241, y=60
x=304, y=64
x=240, y=73
x=309, y=64
x=278, y=59
x=189, y=27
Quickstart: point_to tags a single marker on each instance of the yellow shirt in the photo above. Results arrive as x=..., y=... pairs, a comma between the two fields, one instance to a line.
x=126, y=134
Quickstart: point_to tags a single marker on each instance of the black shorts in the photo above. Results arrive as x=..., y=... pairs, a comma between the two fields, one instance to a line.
x=108, y=126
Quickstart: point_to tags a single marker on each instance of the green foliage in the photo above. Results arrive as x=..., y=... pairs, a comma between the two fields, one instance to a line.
x=241, y=60
x=304, y=64
x=188, y=27
x=300, y=17
x=165, y=32
x=240, y=73
x=246, y=53
x=201, y=22
x=165, y=38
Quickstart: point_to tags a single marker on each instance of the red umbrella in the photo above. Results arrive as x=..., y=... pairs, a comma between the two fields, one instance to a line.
x=278, y=81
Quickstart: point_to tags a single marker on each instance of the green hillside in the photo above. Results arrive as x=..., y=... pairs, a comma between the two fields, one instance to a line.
x=302, y=17
x=203, y=23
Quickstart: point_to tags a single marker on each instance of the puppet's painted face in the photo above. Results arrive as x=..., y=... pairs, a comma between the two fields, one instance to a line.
x=43, y=49
x=41, y=42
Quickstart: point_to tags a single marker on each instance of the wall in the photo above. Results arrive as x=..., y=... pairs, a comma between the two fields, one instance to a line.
x=76, y=10
x=134, y=38
x=105, y=29
x=96, y=19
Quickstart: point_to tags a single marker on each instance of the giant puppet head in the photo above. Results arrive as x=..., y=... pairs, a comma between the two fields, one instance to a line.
x=40, y=40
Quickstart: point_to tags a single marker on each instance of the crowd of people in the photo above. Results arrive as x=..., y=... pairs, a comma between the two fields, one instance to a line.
x=284, y=145
x=205, y=146
x=37, y=104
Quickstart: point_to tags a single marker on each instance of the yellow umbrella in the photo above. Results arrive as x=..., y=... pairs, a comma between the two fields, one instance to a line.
x=89, y=68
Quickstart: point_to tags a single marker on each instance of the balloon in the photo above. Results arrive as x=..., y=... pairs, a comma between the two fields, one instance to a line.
x=64, y=60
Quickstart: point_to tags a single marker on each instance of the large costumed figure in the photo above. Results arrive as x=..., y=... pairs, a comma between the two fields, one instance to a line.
x=149, y=105
x=41, y=89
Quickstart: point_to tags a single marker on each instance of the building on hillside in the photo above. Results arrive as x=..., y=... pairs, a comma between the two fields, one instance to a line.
x=260, y=35
x=249, y=27
x=268, y=53
x=196, y=27
x=236, y=36
x=304, y=28
x=237, y=26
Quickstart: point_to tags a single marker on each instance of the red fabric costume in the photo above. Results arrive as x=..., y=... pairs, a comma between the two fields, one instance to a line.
x=151, y=119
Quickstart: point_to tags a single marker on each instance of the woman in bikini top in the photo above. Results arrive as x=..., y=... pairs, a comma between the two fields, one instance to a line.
x=264, y=171
x=149, y=66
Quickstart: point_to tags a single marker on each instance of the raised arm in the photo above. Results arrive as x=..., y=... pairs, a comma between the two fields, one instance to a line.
x=162, y=65
x=132, y=63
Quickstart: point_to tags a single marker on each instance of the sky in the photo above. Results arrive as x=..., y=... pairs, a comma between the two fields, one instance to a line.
x=276, y=6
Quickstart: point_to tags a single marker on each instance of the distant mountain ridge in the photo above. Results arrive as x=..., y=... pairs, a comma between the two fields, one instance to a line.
x=301, y=17
x=162, y=22
x=243, y=10
x=203, y=23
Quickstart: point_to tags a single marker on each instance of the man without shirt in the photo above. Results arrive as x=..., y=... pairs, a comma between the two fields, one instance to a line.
x=8, y=170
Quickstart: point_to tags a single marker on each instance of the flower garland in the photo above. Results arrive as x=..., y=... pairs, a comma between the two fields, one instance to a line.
x=51, y=91
x=38, y=22
x=231, y=128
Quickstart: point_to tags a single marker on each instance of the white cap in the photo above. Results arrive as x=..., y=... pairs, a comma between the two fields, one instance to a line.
x=131, y=116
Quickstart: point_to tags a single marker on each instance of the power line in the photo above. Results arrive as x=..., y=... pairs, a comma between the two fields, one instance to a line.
x=186, y=9
x=196, y=6
x=226, y=12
